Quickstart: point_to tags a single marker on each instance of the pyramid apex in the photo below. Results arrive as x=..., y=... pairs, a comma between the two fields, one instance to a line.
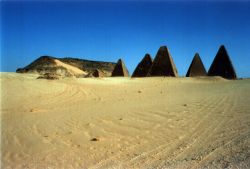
x=222, y=47
x=147, y=57
x=163, y=48
x=196, y=55
x=120, y=61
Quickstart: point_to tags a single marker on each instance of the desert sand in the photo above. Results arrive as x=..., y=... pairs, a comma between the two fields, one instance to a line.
x=121, y=122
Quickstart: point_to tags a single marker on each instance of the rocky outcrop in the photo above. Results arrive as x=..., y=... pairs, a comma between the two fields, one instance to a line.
x=143, y=67
x=222, y=65
x=196, y=67
x=40, y=65
x=67, y=67
x=48, y=65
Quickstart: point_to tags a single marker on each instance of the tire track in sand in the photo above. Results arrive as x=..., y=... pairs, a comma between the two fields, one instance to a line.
x=202, y=135
x=131, y=162
x=185, y=143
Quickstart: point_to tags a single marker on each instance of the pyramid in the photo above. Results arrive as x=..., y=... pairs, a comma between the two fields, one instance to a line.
x=120, y=69
x=143, y=67
x=222, y=65
x=97, y=73
x=163, y=64
x=196, y=68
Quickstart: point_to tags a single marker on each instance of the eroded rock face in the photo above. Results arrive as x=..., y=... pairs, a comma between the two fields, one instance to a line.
x=120, y=69
x=196, y=67
x=49, y=76
x=222, y=65
x=143, y=67
x=163, y=64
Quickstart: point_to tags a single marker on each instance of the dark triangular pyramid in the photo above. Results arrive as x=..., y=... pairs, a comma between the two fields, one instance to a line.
x=143, y=67
x=163, y=64
x=222, y=65
x=120, y=69
x=196, y=68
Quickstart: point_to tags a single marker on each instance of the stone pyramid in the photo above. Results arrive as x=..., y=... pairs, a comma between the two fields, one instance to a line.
x=120, y=69
x=97, y=73
x=143, y=67
x=222, y=65
x=163, y=64
x=196, y=68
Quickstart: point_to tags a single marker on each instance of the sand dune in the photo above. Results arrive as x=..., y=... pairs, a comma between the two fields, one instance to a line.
x=138, y=123
x=72, y=69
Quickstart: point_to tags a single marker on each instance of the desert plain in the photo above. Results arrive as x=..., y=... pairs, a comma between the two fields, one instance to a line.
x=118, y=122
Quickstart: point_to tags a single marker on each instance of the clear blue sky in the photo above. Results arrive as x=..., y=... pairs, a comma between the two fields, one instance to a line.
x=110, y=30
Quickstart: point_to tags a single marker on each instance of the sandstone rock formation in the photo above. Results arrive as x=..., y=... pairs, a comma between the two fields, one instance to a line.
x=120, y=69
x=222, y=65
x=196, y=67
x=143, y=67
x=163, y=64
x=49, y=65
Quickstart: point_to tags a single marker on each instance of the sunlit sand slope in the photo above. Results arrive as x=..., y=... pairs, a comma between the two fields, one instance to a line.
x=124, y=123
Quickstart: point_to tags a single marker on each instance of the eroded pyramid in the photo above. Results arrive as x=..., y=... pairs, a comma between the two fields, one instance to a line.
x=163, y=64
x=222, y=65
x=98, y=73
x=120, y=69
x=143, y=67
x=196, y=67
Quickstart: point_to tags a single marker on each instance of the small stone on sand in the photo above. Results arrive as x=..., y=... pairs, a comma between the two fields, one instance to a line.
x=95, y=139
